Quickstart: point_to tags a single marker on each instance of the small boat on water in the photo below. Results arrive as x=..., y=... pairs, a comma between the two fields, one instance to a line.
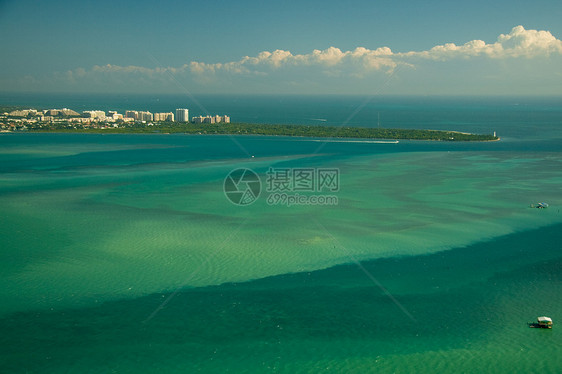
x=539, y=205
x=542, y=322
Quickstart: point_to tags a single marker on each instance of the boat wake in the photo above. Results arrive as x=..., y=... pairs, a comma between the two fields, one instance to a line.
x=354, y=141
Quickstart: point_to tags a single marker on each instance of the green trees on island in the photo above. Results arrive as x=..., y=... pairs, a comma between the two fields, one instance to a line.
x=63, y=124
x=267, y=129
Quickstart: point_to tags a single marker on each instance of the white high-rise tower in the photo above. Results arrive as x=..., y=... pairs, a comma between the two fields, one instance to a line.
x=182, y=115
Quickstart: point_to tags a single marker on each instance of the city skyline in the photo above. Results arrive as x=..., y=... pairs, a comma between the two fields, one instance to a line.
x=282, y=48
x=182, y=115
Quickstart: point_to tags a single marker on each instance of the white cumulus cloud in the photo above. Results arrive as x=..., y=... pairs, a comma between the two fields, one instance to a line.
x=529, y=43
x=332, y=63
x=518, y=43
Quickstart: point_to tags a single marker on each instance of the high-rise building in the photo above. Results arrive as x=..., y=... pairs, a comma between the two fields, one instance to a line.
x=69, y=112
x=182, y=115
x=145, y=116
x=211, y=119
x=95, y=114
x=131, y=114
x=161, y=117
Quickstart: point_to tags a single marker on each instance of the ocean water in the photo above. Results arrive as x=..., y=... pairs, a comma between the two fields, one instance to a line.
x=121, y=253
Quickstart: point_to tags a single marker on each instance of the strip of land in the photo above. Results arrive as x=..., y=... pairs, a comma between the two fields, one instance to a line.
x=15, y=118
x=269, y=130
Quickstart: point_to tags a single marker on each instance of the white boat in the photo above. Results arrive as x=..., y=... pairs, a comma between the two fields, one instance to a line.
x=542, y=322
x=545, y=322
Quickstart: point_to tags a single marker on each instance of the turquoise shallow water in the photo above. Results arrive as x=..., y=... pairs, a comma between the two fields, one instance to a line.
x=122, y=254
x=469, y=308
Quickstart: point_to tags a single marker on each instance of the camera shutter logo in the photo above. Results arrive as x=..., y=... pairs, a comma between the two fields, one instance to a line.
x=242, y=186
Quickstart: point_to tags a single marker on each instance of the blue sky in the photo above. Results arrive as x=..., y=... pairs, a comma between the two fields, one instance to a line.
x=303, y=47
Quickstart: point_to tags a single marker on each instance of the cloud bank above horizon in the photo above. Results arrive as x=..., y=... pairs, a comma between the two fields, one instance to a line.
x=518, y=43
x=283, y=68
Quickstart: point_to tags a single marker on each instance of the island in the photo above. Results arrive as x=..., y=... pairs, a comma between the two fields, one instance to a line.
x=65, y=121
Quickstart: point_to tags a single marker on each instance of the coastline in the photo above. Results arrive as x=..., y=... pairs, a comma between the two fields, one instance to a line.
x=454, y=293
x=366, y=134
x=305, y=137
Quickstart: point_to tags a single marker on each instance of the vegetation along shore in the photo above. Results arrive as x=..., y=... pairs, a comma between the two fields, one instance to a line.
x=62, y=124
